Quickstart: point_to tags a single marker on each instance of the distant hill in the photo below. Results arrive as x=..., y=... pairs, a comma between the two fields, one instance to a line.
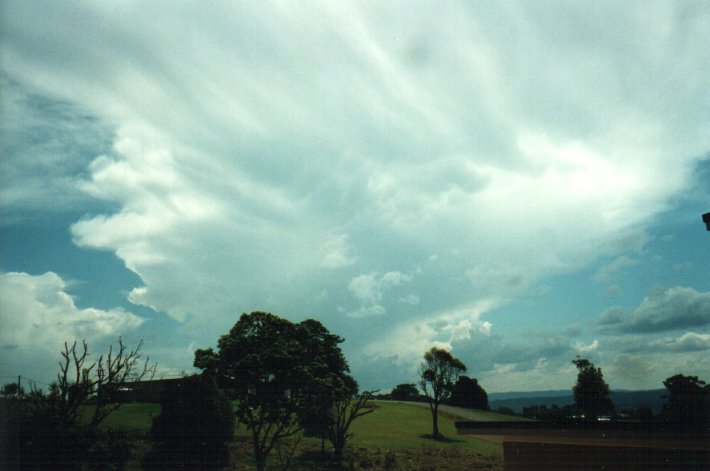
x=623, y=400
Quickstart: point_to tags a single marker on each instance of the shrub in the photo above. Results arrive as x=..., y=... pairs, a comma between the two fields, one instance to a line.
x=194, y=428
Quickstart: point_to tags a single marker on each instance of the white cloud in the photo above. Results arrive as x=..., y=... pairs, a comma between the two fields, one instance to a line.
x=407, y=341
x=370, y=288
x=337, y=253
x=586, y=348
x=38, y=316
x=542, y=375
x=368, y=311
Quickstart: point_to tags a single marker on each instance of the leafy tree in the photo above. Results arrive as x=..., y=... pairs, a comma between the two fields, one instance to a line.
x=325, y=366
x=688, y=399
x=438, y=371
x=275, y=370
x=194, y=427
x=405, y=392
x=591, y=393
x=466, y=392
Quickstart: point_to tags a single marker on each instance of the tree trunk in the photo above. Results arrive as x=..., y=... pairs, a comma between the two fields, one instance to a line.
x=338, y=447
x=259, y=455
x=260, y=462
x=435, y=421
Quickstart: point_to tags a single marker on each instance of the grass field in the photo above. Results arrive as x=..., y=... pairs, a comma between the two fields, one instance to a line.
x=394, y=431
x=132, y=416
x=403, y=426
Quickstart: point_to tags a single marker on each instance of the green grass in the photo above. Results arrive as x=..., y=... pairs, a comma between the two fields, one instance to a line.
x=137, y=416
x=392, y=426
x=404, y=426
x=130, y=416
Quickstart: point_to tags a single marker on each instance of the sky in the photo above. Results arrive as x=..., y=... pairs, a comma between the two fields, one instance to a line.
x=516, y=182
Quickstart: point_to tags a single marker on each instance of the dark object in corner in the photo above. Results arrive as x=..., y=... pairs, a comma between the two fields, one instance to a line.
x=706, y=220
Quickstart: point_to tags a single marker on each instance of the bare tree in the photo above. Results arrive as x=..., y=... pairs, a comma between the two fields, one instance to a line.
x=344, y=412
x=60, y=430
x=80, y=382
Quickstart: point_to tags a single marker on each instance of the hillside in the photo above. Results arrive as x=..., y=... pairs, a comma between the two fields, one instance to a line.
x=623, y=400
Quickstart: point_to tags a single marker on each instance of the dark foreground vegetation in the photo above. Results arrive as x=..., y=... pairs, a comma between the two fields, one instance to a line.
x=393, y=437
x=272, y=395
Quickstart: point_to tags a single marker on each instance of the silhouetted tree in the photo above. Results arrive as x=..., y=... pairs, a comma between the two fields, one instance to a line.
x=505, y=411
x=591, y=393
x=405, y=392
x=644, y=414
x=347, y=406
x=438, y=371
x=194, y=428
x=553, y=413
x=466, y=392
x=326, y=368
x=275, y=370
x=12, y=390
x=60, y=429
x=688, y=399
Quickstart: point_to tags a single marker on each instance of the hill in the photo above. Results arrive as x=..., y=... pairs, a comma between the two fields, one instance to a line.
x=623, y=400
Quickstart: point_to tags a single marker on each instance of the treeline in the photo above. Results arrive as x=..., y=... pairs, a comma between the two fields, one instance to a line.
x=274, y=377
x=465, y=392
x=687, y=401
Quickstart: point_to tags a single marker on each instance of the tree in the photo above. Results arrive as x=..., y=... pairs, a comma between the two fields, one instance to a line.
x=468, y=393
x=12, y=390
x=275, y=370
x=347, y=406
x=438, y=371
x=591, y=393
x=688, y=399
x=194, y=427
x=405, y=392
x=326, y=367
x=47, y=427
x=79, y=381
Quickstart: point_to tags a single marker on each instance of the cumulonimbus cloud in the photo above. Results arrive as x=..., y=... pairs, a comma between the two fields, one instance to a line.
x=283, y=151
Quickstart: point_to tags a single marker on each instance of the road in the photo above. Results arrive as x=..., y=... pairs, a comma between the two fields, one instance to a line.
x=457, y=413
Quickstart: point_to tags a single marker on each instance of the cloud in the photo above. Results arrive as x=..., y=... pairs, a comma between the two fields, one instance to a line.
x=612, y=270
x=688, y=342
x=370, y=288
x=540, y=375
x=406, y=342
x=337, y=253
x=633, y=369
x=499, y=279
x=284, y=151
x=38, y=316
x=662, y=310
x=582, y=348
x=368, y=311
x=411, y=299
x=46, y=146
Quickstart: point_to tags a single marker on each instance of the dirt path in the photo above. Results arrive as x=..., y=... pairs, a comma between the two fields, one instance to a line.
x=456, y=413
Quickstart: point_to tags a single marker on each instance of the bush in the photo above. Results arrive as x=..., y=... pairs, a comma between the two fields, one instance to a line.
x=194, y=428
